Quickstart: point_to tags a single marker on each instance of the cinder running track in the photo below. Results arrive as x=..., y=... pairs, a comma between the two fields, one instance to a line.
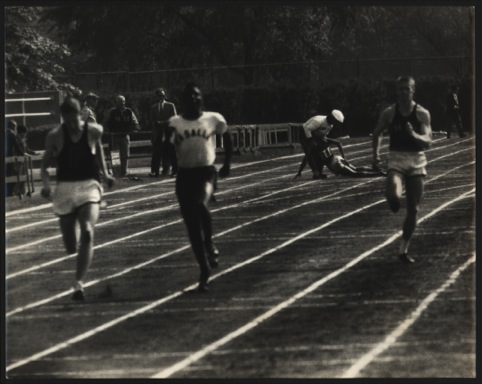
x=309, y=284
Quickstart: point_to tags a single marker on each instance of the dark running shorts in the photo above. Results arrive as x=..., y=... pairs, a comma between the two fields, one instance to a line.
x=190, y=182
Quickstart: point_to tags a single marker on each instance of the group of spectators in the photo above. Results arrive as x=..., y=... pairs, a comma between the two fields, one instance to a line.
x=122, y=121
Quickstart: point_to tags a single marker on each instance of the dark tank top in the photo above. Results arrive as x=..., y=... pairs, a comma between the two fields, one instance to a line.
x=75, y=161
x=400, y=140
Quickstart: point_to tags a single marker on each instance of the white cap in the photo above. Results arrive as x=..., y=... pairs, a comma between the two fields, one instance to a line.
x=338, y=115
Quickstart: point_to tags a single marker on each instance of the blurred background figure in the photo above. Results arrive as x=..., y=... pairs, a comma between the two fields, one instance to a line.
x=88, y=110
x=161, y=112
x=12, y=148
x=454, y=119
x=26, y=151
x=122, y=121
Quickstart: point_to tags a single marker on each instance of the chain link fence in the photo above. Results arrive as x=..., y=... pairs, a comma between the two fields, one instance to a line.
x=285, y=73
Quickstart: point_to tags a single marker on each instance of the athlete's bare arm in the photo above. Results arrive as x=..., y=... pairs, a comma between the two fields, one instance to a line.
x=228, y=151
x=95, y=131
x=338, y=145
x=51, y=148
x=382, y=125
x=424, y=138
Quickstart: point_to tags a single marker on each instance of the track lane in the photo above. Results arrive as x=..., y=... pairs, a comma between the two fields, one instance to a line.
x=187, y=252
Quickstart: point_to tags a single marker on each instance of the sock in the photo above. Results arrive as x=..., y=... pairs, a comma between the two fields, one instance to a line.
x=403, y=246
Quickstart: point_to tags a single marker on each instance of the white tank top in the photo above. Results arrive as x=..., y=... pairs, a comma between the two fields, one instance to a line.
x=317, y=123
x=195, y=140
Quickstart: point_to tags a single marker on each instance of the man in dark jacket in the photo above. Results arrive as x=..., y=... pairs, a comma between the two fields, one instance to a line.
x=453, y=113
x=161, y=112
x=122, y=121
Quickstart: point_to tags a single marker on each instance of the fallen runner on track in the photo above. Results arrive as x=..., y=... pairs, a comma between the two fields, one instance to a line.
x=338, y=164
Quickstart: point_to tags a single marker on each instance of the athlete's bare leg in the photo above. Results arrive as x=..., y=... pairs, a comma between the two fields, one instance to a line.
x=393, y=191
x=87, y=215
x=205, y=214
x=70, y=232
x=414, y=187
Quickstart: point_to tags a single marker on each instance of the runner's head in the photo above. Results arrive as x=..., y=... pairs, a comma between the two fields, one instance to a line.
x=91, y=99
x=120, y=102
x=405, y=88
x=160, y=94
x=70, y=112
x=192, y=99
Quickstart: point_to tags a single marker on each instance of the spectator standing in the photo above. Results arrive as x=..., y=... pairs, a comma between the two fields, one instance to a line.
x=12, y=148
x=453, y=112
x=26, y=151
x=122, y=121
x=161, y=111
x=88, y=110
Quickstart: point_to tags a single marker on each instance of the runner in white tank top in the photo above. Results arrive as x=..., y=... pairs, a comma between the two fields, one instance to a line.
x=194, y=136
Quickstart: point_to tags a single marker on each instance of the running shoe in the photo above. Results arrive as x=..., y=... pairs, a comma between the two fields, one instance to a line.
x=212, y=254
x=404, y=258
x=78, y=295
x=203, y=282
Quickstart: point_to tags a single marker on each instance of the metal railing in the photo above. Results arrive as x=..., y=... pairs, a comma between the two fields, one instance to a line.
x=33, y=107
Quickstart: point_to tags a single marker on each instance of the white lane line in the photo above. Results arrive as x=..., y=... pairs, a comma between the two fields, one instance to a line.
x=49, y=205
x=173, y=206
x=144, y=309
x=450, y=188
x=154, y=304
x=157, y=210
x=8, y=230
x=398, y=332
x=65, y=293
x=150, y=261
x=137, y=200
x=165, y=373
x=135, y=187
x=128, y=189
x=22, y=227
x=151, y=211
x=110, y=207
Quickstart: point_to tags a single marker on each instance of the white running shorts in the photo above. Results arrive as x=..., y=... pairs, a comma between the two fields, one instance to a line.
x=70, y=195
x=407, y=163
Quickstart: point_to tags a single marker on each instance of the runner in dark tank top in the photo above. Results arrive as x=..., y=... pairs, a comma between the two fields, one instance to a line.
x=400, y=140
x=75, y=160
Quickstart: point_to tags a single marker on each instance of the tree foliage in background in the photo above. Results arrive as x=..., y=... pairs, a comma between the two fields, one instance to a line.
x=149, y=37
x=165, y=36
x=32, y=59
